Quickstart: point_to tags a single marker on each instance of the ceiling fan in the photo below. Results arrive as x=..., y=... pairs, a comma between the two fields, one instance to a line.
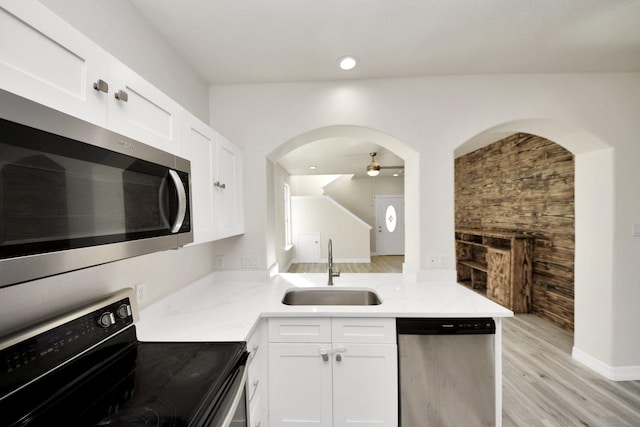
x=373, y=169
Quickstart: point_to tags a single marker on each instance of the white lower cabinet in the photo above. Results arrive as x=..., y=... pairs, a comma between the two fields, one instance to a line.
x=320, y=376
x=257, y=390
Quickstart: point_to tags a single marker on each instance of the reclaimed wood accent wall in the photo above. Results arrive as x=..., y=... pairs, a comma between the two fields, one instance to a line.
x=525, y=183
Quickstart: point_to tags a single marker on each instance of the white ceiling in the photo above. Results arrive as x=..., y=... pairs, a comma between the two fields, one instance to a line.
x=243, y=41
x=339, y=156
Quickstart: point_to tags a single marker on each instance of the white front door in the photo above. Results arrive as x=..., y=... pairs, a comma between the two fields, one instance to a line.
x=309, y=247
x=390, y=225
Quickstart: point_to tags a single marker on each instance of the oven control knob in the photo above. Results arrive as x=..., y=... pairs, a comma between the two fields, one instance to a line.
x=124, y=311
x=106, y=319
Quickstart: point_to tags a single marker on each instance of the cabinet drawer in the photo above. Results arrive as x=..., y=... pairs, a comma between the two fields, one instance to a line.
x=364, y=330
x=300, y=330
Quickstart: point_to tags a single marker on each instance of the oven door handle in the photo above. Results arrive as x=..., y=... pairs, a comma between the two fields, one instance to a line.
x=237, y=398
x=182, y=201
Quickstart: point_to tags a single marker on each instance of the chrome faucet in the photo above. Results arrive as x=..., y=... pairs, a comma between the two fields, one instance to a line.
x=332, y=274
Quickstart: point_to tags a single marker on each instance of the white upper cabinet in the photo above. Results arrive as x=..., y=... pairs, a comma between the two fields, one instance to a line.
x=140, y=111
x=44, y=59
x=199, y=146
x=228, y=186
x=216, y=181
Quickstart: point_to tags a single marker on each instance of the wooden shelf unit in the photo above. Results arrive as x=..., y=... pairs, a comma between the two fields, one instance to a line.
x=498, y=265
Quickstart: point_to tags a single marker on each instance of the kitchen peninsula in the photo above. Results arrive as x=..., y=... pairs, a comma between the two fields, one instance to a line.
x=313, y=336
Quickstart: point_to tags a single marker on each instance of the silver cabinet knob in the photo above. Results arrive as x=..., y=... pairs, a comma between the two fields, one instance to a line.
x=101, y=86
x=325, y=354
x=121, y=95
x=338, y=357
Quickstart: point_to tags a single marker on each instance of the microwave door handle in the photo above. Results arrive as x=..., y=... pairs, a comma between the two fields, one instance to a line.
x=182, y=201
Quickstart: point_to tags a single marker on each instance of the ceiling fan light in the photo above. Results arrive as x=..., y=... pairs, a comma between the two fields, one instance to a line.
x=373, y=169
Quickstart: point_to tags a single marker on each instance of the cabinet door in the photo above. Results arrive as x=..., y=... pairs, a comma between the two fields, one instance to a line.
x=300, y=384
x=499, y=276
x=199, y=146
x=229, y=188
x=365, y=385
x=257, y=380
x=44, y=59
x=140, y=111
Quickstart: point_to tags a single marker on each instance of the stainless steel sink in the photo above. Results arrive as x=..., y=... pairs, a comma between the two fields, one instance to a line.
x=330, y=296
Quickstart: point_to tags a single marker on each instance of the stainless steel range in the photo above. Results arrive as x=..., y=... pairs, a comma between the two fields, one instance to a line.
x=87, y=368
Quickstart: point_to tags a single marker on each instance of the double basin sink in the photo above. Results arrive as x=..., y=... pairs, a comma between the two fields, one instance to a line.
x=331, y=296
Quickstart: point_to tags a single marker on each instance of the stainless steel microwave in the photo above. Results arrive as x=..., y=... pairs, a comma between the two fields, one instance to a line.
x=74, y=195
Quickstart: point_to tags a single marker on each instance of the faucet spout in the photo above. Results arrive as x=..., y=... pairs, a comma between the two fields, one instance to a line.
x=332, y=273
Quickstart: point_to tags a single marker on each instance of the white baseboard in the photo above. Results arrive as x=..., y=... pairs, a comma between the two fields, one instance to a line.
x=336, y=260
x=614, y=373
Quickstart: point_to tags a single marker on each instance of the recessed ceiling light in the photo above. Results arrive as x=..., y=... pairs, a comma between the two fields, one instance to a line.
x=313, y=167
x=348, y=62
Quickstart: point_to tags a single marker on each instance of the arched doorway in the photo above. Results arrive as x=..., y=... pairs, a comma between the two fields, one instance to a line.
x=594, y=221
x=411, y=178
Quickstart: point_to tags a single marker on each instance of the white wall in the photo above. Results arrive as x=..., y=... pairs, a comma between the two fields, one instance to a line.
x=283, y=254
x=349, y=234
x=118, y=27
x=435, y=115
x=163, y=272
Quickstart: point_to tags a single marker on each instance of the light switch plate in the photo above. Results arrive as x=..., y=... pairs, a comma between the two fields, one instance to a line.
x=635, y=229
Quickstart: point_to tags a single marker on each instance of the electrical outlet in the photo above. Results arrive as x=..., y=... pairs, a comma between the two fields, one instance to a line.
x=250, y=261
x=442, y=261
x=141, y=292
x=220, y=262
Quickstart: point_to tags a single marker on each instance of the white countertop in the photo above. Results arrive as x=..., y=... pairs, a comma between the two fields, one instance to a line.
x=209, y=310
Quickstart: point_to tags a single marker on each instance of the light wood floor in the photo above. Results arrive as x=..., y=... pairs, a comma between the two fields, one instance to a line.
x=379, y=264
x=544, y=386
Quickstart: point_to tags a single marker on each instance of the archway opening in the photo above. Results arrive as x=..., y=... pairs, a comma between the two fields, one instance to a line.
x=593, y=205
x=282, y=252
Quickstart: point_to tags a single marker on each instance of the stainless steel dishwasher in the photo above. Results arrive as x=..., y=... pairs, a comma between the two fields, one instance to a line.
x=446, y=372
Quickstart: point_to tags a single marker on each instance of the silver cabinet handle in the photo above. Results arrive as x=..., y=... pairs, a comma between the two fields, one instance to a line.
x=182, y=201
x=254, y=351
x=121, y=95
x=101, y=86
x=325, y=354
x=255, y=389
x=338, y=357
x=219, y=185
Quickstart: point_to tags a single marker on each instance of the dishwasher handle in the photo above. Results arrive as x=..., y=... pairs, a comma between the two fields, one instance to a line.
x=445, y=326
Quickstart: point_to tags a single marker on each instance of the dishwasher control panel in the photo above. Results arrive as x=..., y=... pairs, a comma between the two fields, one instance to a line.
x=446, y=326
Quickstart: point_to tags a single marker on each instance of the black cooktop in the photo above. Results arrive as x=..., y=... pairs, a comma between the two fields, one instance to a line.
x=92, y=371
x=146, y=384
